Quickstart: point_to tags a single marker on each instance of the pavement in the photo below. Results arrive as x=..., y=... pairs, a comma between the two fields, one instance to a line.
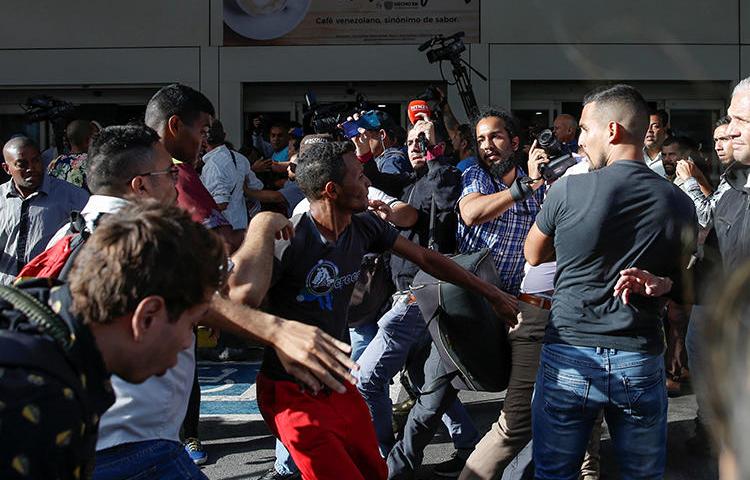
x=240, y=446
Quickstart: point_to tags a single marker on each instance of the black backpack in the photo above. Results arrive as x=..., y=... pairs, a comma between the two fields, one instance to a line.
x=471, y=339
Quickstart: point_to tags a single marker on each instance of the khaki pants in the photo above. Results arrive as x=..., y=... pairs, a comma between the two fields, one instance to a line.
x=512, y=431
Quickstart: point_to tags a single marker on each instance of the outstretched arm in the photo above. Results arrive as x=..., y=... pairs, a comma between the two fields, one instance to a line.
x=443, y=268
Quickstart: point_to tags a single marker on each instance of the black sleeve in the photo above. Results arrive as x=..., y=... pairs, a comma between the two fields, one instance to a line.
x=684, y=288
x=379, y=234
x=391, y=183
x=445, y=181
x=41, y=426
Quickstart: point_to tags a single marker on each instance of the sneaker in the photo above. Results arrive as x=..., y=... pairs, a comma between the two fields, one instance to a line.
x=450, y=468
x=194, y=448
x=272, y=474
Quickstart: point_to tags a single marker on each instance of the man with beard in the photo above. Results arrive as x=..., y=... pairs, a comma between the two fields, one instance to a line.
x=497, y=206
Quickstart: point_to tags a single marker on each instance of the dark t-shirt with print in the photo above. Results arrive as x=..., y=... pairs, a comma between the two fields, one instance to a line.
x=313, y=279
x=621, y=216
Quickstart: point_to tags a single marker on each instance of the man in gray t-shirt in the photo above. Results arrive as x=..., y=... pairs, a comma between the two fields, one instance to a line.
x=604, y=352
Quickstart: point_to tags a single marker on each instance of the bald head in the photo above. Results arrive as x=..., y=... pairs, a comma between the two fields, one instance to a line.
x=565, y=127
x=79, y=134
x=16, y=144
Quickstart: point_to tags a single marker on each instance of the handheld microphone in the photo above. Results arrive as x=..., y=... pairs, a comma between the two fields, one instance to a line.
x=416, y=107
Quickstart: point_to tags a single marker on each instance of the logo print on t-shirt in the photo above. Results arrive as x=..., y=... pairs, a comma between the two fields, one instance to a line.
x=320, y=283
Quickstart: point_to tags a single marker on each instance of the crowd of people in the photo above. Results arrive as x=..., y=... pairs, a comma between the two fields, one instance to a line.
x=608, y=282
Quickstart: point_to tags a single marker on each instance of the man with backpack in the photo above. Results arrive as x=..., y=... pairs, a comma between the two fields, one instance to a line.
x=134, y=293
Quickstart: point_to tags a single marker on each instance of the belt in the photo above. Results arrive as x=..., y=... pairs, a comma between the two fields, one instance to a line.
x=541, y=302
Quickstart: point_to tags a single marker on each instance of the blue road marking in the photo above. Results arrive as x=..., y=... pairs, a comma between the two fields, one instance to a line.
x=228, y=389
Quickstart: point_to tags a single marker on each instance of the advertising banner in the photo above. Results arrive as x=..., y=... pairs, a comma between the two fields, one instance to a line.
x=347, y=22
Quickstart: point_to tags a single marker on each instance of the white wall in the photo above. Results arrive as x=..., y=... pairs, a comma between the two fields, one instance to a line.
x=47, y=43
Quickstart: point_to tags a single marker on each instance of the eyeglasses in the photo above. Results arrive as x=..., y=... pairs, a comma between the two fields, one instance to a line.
x=170, y=170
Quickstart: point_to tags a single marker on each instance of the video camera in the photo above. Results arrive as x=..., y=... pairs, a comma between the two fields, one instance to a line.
x=560, y=156
x=448, y=48
x=40, y=108
x=326, y=118
x=43, y=108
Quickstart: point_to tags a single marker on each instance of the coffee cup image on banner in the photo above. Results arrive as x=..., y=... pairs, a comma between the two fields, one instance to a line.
x=264, y=19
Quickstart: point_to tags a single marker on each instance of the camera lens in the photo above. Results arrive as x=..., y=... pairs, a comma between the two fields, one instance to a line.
x=546, y=138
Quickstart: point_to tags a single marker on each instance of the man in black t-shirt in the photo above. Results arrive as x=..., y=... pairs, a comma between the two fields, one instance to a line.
x=602, y=351
x=311, y=278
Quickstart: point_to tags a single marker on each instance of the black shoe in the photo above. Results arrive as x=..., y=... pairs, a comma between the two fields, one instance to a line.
x=272, y=474
x=450, y=468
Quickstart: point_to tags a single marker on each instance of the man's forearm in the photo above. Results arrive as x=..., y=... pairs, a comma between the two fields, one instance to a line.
x=479, y=209
x=243, y=321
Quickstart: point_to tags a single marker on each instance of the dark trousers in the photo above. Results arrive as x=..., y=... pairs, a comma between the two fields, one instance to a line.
x=424, y=419
x=192, y=416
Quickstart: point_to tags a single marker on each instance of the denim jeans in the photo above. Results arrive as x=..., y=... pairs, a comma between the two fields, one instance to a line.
x=574, y=384
x=162, y=459
x=402, y=330
x=361, y=337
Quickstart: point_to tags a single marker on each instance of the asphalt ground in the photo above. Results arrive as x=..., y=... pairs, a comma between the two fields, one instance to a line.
x=239, y=445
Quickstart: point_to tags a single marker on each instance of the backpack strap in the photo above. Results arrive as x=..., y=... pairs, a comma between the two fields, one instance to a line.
x=39, y=315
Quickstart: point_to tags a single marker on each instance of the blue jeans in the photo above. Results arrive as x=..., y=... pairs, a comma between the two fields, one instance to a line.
x=574, y=384
x=162, y=459
x=401, y=330
x=360, y=337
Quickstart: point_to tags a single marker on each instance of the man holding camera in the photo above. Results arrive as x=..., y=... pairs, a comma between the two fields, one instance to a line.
x=604, y=347
x=497, y=206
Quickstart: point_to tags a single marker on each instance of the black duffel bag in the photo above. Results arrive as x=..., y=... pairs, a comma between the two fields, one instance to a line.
x=470, y=337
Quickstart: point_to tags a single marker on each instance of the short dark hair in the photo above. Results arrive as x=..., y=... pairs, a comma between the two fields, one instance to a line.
x=319, y=164
x=684, y=144
x=511, y=124
x=662, y=114
x=146, y=248
x=78, y=132
x=622, y=97
x=466, y=134
x=725, y=120
x=216, y=133
x=117, y=154
x=176, y=99
x=280, y=124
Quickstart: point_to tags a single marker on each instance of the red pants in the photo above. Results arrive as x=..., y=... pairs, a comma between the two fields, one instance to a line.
x=329, y=435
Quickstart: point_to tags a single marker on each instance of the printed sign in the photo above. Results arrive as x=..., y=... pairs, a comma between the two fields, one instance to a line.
x=347, y=22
